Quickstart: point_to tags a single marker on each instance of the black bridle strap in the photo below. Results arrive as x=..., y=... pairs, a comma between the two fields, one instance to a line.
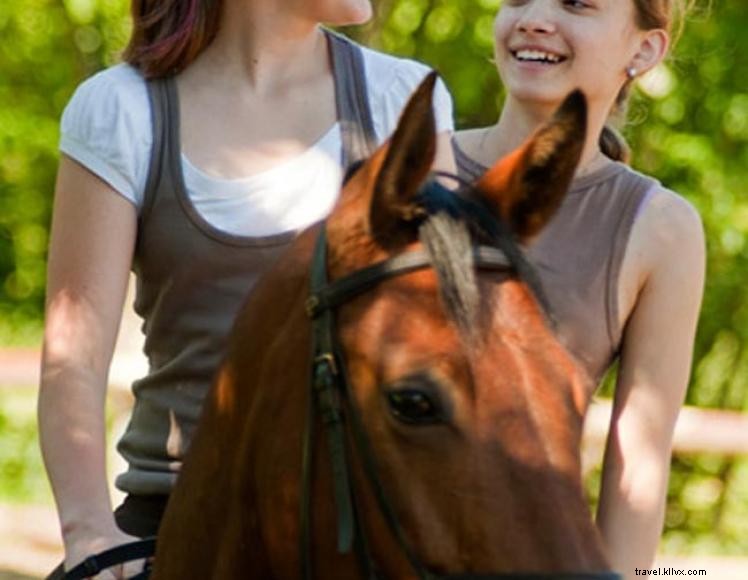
x=118, y=555
x=328, y=385
x=324, y=399
x=327, y=297
x=366, y=456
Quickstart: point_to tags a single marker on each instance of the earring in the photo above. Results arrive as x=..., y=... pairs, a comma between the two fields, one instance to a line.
x=631, y=72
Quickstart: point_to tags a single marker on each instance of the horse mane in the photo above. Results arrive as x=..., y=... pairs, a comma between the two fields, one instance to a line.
x=455, y=221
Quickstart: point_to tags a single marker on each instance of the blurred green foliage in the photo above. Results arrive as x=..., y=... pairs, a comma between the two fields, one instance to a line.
x=22, y=476
x=688, y=125
x=47, y=47
x=21, y=469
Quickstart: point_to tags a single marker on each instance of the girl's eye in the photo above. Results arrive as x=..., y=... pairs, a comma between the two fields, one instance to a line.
x=576, y=4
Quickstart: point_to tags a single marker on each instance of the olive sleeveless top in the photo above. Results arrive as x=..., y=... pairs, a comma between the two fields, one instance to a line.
x=578, y=257
x=192, y=279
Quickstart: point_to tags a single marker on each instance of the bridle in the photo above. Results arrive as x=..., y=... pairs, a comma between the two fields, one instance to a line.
x=94, y=564
x=332, y=402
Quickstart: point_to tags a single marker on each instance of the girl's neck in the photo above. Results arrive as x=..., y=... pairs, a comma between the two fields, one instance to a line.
x=263, y=50
x=517, y=122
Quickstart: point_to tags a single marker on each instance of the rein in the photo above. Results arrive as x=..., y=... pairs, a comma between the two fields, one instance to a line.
x=92, y=565
x=331, y=400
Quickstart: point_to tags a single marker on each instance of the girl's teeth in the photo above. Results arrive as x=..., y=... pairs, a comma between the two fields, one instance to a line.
x=537, y=55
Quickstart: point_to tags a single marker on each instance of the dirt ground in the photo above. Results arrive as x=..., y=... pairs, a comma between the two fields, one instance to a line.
x=30, y=544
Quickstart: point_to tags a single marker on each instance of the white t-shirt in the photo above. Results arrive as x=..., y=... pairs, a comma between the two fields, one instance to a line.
x=106, y=127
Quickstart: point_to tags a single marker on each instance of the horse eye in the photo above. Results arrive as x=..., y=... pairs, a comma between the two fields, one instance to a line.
x=414, y=407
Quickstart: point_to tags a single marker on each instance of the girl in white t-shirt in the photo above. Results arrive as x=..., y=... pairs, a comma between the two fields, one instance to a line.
x=258, y=155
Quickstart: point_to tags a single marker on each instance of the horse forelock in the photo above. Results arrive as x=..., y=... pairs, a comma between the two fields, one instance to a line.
x=452, y=223
x=455, y=222
x=449, y=244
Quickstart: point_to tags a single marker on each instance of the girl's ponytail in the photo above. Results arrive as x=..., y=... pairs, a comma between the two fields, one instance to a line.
x=613, y=145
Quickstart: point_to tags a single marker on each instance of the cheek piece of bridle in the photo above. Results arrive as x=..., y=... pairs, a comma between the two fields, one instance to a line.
x=332, y=402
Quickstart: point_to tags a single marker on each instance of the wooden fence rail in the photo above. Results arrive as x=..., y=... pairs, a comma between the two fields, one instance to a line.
x=697, y=430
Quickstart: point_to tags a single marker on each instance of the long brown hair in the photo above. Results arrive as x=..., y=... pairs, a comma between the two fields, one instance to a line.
x=169, y=34
x=667, y=15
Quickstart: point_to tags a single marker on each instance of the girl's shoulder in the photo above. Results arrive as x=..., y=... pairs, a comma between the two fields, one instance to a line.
x=384, y=69
x=119, y=87
x=106, y=126
x=668, y=235
x=391, y=81
x=662, y=206
x=668, y=210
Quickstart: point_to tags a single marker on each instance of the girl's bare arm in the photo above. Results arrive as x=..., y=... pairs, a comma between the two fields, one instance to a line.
x=667, y=249
x=92, y=239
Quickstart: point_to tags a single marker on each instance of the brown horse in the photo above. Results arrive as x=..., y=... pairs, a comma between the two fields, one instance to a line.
x=454, y=380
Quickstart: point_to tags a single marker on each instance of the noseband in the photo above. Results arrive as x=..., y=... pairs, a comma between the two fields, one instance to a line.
x=332, y=401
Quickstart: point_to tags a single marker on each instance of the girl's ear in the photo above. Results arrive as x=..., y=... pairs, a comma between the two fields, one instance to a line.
x=653, y=47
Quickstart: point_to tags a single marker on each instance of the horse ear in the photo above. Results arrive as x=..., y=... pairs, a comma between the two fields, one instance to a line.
x=410, y=154
x=527, y=187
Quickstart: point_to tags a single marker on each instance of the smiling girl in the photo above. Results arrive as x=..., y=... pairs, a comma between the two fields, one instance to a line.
x=623, y=260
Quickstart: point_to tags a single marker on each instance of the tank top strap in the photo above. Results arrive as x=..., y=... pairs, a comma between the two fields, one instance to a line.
x=351, y=98
x=158, y=97
x=467, y=167
x=633, y=196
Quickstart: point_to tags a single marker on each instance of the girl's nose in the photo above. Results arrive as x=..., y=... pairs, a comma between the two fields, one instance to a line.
x=537, y=17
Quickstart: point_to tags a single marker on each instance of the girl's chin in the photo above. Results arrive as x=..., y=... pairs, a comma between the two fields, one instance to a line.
x=360, y=12
x=538, y=95
x=534, y=85
x=343, y=12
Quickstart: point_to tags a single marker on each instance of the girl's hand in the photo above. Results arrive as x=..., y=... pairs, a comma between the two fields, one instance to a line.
x=78, y=549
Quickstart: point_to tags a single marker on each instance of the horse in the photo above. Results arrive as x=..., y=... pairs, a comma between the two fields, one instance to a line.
x=441, y=432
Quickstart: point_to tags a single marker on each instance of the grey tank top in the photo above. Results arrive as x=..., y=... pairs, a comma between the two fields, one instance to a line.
x=192, y=279
x=578, y=257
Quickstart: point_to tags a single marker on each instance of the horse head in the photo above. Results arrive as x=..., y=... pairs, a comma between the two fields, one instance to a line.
x=473, y=408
